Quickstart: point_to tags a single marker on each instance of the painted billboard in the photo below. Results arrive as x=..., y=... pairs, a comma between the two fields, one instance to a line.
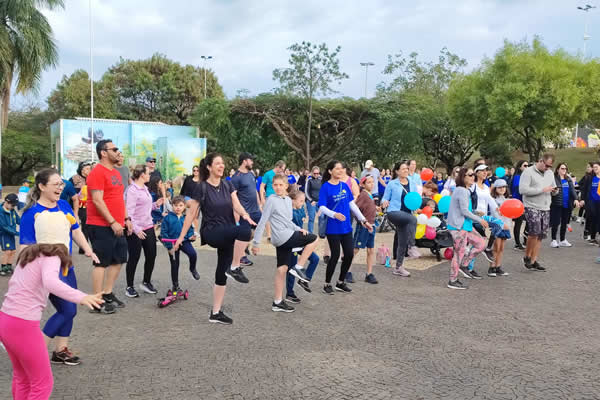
x=176, y=148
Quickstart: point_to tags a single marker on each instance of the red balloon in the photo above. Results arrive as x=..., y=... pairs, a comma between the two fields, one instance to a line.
x=427, y=211
x=512, y=208
x=426, y=174
x=448, y=253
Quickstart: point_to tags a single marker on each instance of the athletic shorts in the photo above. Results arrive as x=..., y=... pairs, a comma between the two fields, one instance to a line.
x=284, y=252
x=363, y=238
x=110, y=248
x=538, y=222
x=255, y=217
x=8, y=243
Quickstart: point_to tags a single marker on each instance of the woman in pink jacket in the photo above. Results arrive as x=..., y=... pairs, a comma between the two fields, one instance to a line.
x=139, y=208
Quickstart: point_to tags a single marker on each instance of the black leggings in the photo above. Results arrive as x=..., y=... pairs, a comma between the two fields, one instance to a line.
x=559, y=216
x=222, y=238
x=135, y=245
x=335, y=241
x=82, y=213
x=189, y=251
x=592, y=221
x=517, y=229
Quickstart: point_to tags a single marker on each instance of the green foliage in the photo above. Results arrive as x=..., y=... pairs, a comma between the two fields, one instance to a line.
x=497, y=152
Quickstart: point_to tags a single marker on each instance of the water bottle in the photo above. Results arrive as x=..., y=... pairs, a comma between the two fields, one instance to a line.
x=387, y=262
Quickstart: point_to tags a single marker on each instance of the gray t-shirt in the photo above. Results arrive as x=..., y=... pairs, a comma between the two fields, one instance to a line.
x=245, y=184
x=124, y=171
x=374, y=172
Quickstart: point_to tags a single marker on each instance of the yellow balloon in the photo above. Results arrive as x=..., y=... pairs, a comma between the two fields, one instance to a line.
x=420, y=231
x=437, y=197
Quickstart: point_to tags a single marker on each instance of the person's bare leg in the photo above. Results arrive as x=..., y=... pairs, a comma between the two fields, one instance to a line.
x=98, y=279
x=61, y=343
x=218, y=296
x=280, y=276
x=537, y=245
x=112, y=274
x=268, y=230
x=239, y=249
x=498, y=252
x=531, y=240
x=308, y=250
x=370, y=260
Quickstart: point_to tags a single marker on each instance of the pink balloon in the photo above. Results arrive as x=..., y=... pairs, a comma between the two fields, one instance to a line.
x=430, y=233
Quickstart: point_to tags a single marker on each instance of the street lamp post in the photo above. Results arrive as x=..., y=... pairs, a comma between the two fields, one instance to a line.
x=586, y=36
x=91, y=83
x=366, y=65
x=205, y=58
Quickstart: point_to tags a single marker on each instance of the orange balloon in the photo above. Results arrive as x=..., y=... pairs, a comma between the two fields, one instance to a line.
x=426, y=174
x=427, y=211
x=512, y=208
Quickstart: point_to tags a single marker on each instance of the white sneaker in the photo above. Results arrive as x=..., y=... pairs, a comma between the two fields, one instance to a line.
x=564, y=243
x=413, y=253
x=554, y=244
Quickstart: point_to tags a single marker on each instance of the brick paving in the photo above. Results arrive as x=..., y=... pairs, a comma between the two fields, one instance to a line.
x=530, y=335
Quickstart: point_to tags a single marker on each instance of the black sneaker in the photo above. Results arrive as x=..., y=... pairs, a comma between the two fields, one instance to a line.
x=105, y=308
x=465, y=272
x=131, y=292
x=148, y=287
x=244, y=261
x=220, y=318
x=110, y=298
x=195, y=274
x=489, y=255
x=492, y=271
x=299, y=273
x=370, y=278
x=292, y=298
x=327, y=289
x=500, y=272
x=65, y=357
x=537, y=267
x=342, y=287
x=519, y=247
x=349, y=277
x=456, y=285
x=475, y=275
x=304, y=285
x=527, y=263
x=237, y=274
x=326, y=259
x=282, y=307
x=9, y=269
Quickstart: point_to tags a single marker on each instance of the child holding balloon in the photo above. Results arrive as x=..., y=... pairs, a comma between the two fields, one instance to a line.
x=499, y=193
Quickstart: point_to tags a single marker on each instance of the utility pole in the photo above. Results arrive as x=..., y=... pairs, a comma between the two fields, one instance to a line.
x=205, y=58
x=91, y=83
x=366, y=65
x=586, y=36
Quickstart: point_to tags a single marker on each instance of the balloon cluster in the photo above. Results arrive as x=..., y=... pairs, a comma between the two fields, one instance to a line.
x=426, y=222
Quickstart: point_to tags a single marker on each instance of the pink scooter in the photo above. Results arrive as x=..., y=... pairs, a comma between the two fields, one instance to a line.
x=172, y=296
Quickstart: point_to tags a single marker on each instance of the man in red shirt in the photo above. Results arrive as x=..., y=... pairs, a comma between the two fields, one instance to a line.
x=107, y=220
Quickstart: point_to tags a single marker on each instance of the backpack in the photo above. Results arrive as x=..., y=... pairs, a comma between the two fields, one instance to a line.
x=383, y=255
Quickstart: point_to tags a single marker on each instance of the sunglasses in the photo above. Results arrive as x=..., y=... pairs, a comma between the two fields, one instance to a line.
x=115, y=149
x=471, y=174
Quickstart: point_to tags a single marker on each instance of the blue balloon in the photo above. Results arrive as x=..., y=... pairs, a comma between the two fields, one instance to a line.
x=500, y=172
x=413, y=201
x=444, y=204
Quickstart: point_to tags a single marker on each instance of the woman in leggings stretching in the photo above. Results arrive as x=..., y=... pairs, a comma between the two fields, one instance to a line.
x=336, y=201
x=217, y=199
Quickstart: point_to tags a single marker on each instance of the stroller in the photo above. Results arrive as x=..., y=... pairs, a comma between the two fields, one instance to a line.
x=443, y=239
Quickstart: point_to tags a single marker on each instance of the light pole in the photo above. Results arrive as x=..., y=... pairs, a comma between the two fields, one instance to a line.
x=91, y=83
x=366, y=65
x=586, y=37
x=205, y=58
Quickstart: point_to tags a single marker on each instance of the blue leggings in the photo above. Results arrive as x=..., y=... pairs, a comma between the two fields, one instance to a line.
x=61, y=323
x=313, y=262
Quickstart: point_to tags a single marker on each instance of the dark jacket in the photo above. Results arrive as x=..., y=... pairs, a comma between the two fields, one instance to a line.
x=557, y=199
x=9, y=222
x=313, y=187
x=171, y=228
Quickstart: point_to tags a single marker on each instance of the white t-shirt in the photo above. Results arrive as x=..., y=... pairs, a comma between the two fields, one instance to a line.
x=374, y=172
x=484, y=199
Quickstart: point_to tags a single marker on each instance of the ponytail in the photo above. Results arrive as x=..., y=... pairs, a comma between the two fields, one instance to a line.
x=204, y=173
x=41, y=178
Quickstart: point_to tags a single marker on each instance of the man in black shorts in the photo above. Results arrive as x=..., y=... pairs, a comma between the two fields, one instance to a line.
x=107, y=223
x=244, y=182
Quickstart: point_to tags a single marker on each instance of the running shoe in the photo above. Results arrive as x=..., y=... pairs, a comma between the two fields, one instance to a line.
x=456, y=285
x=519, y=247
x=9, y=269
x=195, y=274
x=3, y=270
x=148, y=287
x=413, y=253
x=349, y=277
x=292, y=298
x=475, y=275
x=105, y=308
x=491, y=271
x=500, y=272
x=342, y=287
x=489, y=255
x=110, y=298
x=565, y=243
x=65, y=357
x=245, y=262
x=220, y=318
x=237, y=274
x=327, y=289
x=401, y=271
x=282, y=307
x=299, y=273
x=464, y=271
x=370, y=278
x=527, y=264
x=304, y=285
x=537, y=267
x=592, y=241
x=131, y=292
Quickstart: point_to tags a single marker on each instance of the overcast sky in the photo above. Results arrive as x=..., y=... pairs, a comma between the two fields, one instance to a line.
x=248, y=39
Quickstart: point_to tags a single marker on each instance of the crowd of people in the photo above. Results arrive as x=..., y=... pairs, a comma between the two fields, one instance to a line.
x=113, y=213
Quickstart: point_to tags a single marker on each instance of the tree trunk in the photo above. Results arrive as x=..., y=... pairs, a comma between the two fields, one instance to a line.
x=5, y=105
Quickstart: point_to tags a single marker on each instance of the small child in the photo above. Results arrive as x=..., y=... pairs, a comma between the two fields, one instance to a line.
x=362, y=237
x=286, y=237
x=498, y=192
x=23, y=191
x=171, y=229
x=9, y=219
x=37, y=275
x=298, y=200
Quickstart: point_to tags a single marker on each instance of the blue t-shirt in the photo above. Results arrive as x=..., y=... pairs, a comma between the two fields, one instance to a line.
x=258, y=182
x=594, y=192
x=297, y=216
x=245, y=184
x=440, y=184
x=386, y=179
x=337, y=198
x=268, y=181
x=27, y=234
x=291, y=179
x=68, y=191
x=565, y=193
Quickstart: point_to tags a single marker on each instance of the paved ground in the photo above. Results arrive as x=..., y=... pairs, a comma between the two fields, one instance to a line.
x=529, y=336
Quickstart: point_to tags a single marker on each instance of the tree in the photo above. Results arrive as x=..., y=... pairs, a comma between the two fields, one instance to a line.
x=313, y=70
x=27, y=47
x=158, y=89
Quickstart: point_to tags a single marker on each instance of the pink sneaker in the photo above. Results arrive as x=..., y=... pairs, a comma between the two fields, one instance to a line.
x=413, y=253
x=400, y=271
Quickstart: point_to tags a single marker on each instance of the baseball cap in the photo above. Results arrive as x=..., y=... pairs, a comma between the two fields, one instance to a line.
x=12, y=199
x=150, y=159
x=368, y=164
x=481, y=167
x=245, y=156
x=500, y=183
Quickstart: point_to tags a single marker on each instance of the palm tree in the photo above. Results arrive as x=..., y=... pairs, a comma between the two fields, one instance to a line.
x=27, y=46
